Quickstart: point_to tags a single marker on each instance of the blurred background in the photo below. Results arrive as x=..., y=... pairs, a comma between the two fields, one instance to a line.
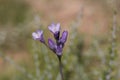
x=88, y=49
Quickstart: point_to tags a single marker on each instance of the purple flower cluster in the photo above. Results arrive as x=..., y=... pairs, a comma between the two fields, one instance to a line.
x=56, y=47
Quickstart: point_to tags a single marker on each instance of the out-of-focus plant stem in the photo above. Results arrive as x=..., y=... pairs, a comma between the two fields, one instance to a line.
x=36, y=61
x=110, y=75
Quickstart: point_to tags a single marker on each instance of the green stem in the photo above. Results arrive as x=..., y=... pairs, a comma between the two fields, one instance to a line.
x=60, y=67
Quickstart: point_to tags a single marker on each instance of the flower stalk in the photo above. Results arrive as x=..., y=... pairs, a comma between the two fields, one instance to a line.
x=55, y=46
x=60, y=68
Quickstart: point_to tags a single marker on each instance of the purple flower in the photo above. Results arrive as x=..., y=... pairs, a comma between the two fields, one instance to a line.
x=63, y=39
x=38, y=35
x=55, y=29
x=51, y=44
x=55, y=48
x=59, y=50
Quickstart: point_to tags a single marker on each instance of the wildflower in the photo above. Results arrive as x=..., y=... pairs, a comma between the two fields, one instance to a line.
x=57, y=47
x=64, y=37
x=52, y=45
x=55, y=29
x=59, y=50
x=38, y=35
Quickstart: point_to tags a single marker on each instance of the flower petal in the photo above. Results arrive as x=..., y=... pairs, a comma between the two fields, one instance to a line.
x=38, y=35
x=58, y=27
x=54, y=28
x=64, y=37
x=51, y=44
x=59, y=50
x=35, y=36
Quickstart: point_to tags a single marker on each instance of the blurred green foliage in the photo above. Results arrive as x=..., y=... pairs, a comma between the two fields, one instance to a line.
x=13, y=11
